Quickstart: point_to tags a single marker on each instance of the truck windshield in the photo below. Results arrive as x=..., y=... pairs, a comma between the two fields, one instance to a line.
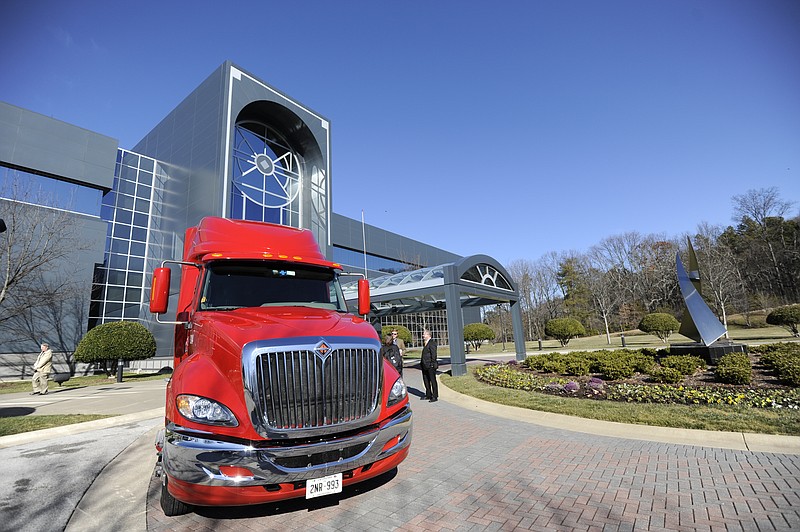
x=230, y=285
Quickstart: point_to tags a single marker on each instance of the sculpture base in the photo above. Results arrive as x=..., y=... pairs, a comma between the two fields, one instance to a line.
x=710, y=353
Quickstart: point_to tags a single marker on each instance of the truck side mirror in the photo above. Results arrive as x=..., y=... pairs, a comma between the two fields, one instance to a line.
x=363, y=297
x=159, y=291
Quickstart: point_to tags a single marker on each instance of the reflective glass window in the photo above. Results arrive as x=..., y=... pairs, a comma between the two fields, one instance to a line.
x=124, y=216
x=119, y=246
x=122, y=231
x=115, y=293
x=136, y=264
x=133, y=295
x=139, y=233
x=143, y=205
x=116, y=277
x=140, y=219
x=138, y=248
x=119, y=262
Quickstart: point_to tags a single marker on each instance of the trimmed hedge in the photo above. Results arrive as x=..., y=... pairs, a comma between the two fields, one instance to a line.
x=734, y=368
x=685, y=364
x=782, y=358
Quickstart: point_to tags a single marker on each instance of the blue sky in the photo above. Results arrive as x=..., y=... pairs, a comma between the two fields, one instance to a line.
x=509, y=128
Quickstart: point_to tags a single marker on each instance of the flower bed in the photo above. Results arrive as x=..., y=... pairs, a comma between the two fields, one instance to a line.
x=638, y=377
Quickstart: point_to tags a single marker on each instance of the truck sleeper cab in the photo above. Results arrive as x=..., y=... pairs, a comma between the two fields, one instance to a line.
x=277, y=391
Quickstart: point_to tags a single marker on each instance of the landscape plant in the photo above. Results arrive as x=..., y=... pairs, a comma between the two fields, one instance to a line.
x=477, y=333
x=564, y=329
x=126, y=340
x=659, y=324
x=788, y=317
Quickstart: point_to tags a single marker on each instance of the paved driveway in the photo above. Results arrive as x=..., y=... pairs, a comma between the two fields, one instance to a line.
x=471, y=471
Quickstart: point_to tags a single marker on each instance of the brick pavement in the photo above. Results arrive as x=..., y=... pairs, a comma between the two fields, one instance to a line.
x=469, y=471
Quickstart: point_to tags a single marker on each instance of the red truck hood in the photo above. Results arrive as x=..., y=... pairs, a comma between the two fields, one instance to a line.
x=238, y=327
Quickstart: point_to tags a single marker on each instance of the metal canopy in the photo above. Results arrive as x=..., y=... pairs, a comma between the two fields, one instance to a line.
x=473, y=281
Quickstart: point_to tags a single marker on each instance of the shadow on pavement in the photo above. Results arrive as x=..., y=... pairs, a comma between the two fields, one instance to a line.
x=15, y=411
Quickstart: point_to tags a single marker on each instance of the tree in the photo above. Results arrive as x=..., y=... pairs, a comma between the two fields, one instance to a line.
x=126, y=340
x=564, y=329
x=572, y=281
x=37, y=242
x=788, y=317
x=719, y=273
x=477, y=333
x=660, y=324
x=766, y=235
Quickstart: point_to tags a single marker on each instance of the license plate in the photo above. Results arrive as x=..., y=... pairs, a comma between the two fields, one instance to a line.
x=317, y=487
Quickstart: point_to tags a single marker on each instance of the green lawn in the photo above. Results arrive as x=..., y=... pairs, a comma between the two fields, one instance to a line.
x=634, y=339
x=19, y=424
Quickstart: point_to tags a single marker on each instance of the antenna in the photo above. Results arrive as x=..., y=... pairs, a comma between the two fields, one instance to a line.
x=364, y=238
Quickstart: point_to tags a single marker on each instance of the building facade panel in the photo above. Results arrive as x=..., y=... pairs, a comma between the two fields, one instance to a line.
x=45, y=145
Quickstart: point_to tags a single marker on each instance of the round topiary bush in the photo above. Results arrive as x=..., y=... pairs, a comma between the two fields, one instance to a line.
x=659, y=324
x=477, y=333
x=788, y=317
x=564, y=329
x=128, y=340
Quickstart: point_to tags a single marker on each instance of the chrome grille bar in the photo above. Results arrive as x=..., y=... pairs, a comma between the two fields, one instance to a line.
x=301, y=390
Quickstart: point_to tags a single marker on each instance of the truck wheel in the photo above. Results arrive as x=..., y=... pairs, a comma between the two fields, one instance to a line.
x=170, y=504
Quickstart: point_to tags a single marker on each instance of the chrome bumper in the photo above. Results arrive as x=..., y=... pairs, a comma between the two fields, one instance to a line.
x=196, y=457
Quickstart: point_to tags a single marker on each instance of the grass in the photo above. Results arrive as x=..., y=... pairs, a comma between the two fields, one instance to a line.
x=80, y=382
x=634, y=339
x=19, y=424
x=733, y=419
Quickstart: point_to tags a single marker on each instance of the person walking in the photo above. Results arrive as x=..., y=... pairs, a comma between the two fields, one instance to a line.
x=41, y=370
x=429, y=363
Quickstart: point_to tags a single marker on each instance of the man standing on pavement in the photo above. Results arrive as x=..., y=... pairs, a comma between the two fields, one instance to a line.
x=429, y=363
x=401, y=345
x=41, y=370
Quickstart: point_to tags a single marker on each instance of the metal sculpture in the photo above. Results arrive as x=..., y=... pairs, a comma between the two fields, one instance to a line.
x=699, y=322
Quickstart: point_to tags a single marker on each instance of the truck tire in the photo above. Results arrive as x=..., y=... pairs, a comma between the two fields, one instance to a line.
x=169, y=504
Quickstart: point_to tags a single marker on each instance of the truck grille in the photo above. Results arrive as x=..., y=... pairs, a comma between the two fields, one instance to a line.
x=301, y=390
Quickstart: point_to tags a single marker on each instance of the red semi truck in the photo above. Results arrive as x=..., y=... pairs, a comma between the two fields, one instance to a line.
x=277, y=392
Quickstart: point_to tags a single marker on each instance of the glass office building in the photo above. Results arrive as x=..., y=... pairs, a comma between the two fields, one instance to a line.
x=235, y=147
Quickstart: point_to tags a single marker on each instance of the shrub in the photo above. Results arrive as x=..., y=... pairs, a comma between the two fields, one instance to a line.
x=660, y=324
x=783, y=358
x=576, y=365
x=734, y=368
x=685, y=364
x=477, y=333
x=128, y=340
x=666, y=375
x=788, y=317
x=564, y=329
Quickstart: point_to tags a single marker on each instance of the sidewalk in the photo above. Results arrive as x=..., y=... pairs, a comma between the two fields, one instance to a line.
x=121, y=487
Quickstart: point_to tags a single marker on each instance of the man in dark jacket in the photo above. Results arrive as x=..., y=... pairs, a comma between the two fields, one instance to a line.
x=429, y=364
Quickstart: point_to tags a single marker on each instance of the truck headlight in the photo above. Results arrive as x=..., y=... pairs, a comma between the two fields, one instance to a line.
x=397, y=393
x=204, y=410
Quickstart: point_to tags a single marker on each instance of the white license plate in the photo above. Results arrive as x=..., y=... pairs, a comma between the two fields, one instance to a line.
x=317, y=487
